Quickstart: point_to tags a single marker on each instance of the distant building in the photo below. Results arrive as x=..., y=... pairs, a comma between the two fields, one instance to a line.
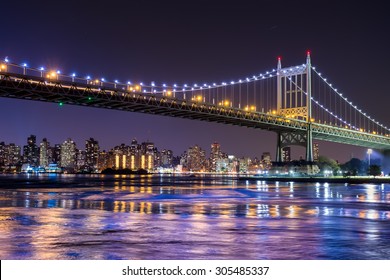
x=316, y=152
x=31, y=151
x=56, y=154
x=148, y=153
x=194, y=159
x=215, y=155
x=120, y=156
x=69, y=155
x=10, y=156
x=91, y=154
x=166, y=158
x=45, y=153
x=266, y=160
x=286, y=154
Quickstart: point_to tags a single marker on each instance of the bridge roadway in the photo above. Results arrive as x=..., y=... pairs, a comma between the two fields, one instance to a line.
x=39, y=89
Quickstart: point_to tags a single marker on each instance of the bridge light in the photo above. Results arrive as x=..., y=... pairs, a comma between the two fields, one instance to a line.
x=88, y=77
x=24, y=64
x=116, y=81
x=42, y=68
x=6, y=59
x=169, y=93
x=2, y=67
x=58, y=72
x=52, y=75
x=129, y=83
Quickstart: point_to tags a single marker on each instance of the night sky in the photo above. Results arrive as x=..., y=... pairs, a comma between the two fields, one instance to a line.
x=190, y=42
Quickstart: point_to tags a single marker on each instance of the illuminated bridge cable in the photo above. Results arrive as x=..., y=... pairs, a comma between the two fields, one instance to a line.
x=362, y=114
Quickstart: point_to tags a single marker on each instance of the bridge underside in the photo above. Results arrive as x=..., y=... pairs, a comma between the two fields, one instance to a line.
x=32, y=88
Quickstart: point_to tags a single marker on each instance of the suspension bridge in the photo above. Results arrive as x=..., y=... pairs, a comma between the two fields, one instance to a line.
x=295, y=102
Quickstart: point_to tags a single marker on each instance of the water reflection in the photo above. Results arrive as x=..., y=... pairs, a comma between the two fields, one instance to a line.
x=126, y=217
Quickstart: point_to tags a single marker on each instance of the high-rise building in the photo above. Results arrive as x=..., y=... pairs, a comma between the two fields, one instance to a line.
x=56, y=154
x=45, y=153
x=215, y=155
x=134, y=155
x=69, y=154
x=120, y=156
x=13, y=152
x=91, y=154
x=266, y=160
x=9, y=156
x=103, y=161
x=31, y=151
x=286, y=154
x=196, y=159
x=316, y=151
x=147, y=150
x=166, y=157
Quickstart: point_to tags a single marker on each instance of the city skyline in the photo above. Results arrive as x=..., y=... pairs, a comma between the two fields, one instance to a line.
x=210, y=50
x=212, y=151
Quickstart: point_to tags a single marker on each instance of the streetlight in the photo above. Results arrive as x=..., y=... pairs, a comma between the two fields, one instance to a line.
x=369, y=152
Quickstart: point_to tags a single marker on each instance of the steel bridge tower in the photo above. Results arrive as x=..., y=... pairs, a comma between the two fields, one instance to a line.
x=294, y=101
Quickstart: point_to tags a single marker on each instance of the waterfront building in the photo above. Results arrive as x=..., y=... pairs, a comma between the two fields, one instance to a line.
x=69, y=155
x=120, y=156
x=147, y=151
x=56, y=154
x=45, y=153
x=31, y=151
x=10, y=157
x=91, y=154
x=215, y=155
x=316, y=152
x=81, y=161
x=166, y=157
x=195, y=159
x=266, y=160
x=286, y=154
x=135, y=155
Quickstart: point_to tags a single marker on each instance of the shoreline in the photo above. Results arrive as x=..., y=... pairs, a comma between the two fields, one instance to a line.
x=345, y=180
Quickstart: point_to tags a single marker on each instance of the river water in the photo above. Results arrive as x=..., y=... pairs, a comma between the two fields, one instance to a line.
x=186, y=217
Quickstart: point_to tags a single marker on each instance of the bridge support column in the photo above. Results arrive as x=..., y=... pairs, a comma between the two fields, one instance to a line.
x=309, y=144
x=279, y=148
x=309, y=136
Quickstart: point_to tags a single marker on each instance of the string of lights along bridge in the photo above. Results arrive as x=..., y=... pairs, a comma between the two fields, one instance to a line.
x=297, y=102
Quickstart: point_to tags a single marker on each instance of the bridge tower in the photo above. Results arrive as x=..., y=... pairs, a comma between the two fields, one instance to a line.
x=294, y=101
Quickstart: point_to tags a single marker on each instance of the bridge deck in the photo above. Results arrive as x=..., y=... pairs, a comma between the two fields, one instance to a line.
x=32, y=88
